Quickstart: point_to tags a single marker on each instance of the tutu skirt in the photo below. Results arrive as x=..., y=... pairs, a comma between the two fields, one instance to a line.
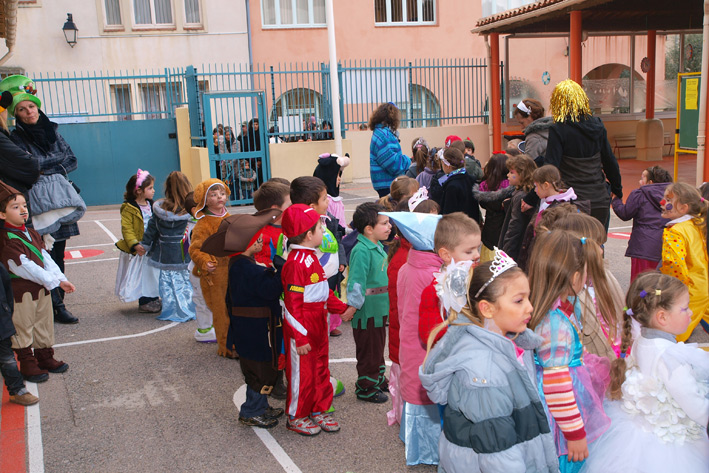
x=420, y=431
x=629, y=447
x=394, y=415
x=135, y=278
x=337, y=209
x=176, y=294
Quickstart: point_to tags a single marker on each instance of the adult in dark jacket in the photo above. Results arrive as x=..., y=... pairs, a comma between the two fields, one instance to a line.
x=458, y=186
x=36, y=134
x=643, y=206
x=578, y=145
x=18, y=168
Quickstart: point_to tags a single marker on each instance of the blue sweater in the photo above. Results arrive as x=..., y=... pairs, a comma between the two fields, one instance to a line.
x=386, y=161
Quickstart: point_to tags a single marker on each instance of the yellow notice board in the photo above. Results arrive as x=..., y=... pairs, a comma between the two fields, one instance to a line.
x=688, y=92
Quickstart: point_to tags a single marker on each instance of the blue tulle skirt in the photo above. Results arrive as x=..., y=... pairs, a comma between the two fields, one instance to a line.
x=176, y=294
x=420, y=431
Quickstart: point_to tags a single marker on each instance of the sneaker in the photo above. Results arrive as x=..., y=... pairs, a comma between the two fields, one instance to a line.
x=152, y=307
x=26, y=399
x=259, y=421
x=326, y=422
x=336, y=333
x=273, y=412
x=303, y=426
x=378, y=397
x=207, y=337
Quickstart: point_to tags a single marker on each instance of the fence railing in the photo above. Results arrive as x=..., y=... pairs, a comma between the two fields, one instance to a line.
x=428, y=92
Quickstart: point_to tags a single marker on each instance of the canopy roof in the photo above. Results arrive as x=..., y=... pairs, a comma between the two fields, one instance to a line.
x=620, y=16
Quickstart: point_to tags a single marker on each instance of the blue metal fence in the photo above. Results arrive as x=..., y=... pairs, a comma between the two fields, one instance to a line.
x=428, y=92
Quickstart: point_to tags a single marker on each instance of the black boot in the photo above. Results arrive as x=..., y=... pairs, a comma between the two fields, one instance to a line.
x=61, y=313
x=279, y=390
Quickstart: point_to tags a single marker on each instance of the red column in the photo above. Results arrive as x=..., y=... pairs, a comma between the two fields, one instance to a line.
x=575, y=47
x=495, y=117
x=650, y=92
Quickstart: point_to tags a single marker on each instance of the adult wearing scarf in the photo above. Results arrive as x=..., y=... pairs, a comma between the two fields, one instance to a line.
x=55, y=203
x=578, y=145
x=386, y=161
x=18, y=168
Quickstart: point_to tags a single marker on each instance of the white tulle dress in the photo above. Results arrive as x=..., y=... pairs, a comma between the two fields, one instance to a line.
x=660, y=424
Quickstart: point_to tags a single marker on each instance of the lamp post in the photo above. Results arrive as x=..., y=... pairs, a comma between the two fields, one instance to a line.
x=70, y=30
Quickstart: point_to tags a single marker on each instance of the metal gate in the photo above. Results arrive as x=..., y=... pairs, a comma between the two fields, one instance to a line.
x=238, y=146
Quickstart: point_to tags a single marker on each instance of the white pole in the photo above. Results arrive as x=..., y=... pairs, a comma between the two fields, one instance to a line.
x=489, y=84
x=334, y=82
x=701, y=132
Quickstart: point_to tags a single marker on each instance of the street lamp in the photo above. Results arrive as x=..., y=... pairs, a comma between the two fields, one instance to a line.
x=70, y=30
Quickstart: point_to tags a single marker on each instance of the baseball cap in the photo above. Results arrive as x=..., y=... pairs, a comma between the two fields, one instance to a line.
x=298, y=219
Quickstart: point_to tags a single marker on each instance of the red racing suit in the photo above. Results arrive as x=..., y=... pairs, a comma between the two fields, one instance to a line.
x=306, y=294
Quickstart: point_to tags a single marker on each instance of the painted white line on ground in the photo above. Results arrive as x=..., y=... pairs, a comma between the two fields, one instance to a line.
x=266, y=438
x=108, y=232
x=35, y=451
x=90, y=261
x=351, y=360
x=89, y=246
x=135, y=335
x=620, y=228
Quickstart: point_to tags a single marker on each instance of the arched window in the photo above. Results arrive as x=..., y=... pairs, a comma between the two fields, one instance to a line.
x=424, y=109
x=293, y=111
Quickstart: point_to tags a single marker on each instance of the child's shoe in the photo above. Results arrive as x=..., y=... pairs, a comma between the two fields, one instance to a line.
x=326, y=422
x=29, y=368
x=377, y=397
x=259, y=421
x=152, y=307
x=46, y=361
x=205, y=337
x=303, y=426
x=273, y=412
x=26, y=399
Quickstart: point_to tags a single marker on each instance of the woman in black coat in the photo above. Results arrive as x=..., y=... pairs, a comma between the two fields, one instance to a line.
x=578, y=145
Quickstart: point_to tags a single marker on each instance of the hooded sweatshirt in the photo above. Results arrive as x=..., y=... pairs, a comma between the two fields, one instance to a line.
x=643, y=206
x=585, y=160
x=536, y=136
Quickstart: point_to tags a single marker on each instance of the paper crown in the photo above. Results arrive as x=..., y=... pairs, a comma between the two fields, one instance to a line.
x=417, y=228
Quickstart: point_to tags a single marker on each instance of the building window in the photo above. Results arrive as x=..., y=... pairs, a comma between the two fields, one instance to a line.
x=192, y=16
x=113, y=13
x=293, y=110
x=404, y=12
x=424, y=107
x=156, y=102
x=152, y=12
x=293, y=13
x=122, y=106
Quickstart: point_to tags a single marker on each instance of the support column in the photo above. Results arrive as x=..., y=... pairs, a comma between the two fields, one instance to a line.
x=495, y=118
x=575, y=47
x=702, y=155
x=650, y=92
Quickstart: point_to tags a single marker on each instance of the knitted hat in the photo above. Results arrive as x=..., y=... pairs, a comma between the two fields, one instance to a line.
x=7, y=191
x=21, y=88
x=298, y=219
x=417, y=228
x=237, y=233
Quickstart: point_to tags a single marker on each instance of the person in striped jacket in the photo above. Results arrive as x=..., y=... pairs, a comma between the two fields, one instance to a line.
x=571, y=382
x=386, y=160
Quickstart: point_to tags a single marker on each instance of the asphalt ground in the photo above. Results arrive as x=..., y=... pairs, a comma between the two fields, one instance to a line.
x=142, y=395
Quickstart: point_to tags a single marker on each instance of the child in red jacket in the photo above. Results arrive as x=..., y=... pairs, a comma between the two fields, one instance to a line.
x=305, y=334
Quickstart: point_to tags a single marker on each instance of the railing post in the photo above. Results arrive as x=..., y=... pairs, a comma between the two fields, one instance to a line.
x=341, y=99
x=193, y=103
x=411, y=97
x=273, y=97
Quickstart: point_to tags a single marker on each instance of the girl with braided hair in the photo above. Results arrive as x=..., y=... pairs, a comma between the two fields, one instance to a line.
x=660, y=390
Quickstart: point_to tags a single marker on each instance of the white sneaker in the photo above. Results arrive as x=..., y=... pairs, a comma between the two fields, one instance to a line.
x=208, y=337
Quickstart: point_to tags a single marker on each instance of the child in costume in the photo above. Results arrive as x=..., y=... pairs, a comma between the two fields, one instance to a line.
x=434, y=244
x=367, y=292
x=34, y=275
x=211, y=197
x=570, y=381
x=312, y=191
x=8, y=366
x=643, y=207
x=329, y=170
x=136, y=211
x=684, y=248
x=255, y=313
x=271, y=195
x=204, y=333
x=305, y=331
x=164, y=243
x=660, y=390
x=482, y=373
x=397, y=255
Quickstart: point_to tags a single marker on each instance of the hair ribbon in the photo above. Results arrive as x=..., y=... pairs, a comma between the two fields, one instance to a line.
x=642, y=294
x=523, y=107
x=583, y=240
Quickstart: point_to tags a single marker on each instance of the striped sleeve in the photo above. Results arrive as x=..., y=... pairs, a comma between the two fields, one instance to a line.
x=559, y=396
